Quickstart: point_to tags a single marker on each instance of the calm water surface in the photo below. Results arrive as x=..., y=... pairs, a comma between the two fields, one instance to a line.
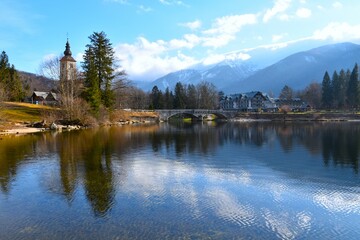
x=213, y=181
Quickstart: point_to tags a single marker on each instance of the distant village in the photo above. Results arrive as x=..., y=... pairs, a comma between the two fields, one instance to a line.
x=255, y=101
x=258, y=101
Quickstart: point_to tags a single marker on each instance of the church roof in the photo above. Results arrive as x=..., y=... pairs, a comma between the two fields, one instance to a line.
x=67, y=53
x=67, y=59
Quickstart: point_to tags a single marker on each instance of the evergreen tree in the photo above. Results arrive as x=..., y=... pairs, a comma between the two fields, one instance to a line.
x=168, y=99
x=10, y=84
x=16, y=91
x=353, y=88
x=326, y=91
x=99, y=58
x=92, y=93
x=156, y=98
x=179, y=96
x=192, y=100
x=336, y=89
x=4, y=72
x=341, y=94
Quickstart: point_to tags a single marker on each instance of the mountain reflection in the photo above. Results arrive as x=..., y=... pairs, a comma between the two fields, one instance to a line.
x=96, y=160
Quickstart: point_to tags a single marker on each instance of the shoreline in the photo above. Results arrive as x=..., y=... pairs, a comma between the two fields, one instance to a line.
x=21, y=128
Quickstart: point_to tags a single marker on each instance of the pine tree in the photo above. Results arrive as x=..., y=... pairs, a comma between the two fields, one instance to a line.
x=179, y=96
x=342, y=89
x=353, y=88
x=192, y=99
x=326, y=91
x=336, y=89
x=101, y=53
x=92, y=93
x=168, y=99
x=10, y=85
x=16, y=91
x=156, y=98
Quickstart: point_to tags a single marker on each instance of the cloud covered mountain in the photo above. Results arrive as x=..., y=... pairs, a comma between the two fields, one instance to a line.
x=297, y=70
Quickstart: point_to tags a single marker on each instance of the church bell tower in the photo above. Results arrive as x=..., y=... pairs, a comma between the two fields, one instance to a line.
x=67, y=65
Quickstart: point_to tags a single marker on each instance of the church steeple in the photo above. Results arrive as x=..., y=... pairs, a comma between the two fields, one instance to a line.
x=67, y=51
x=67, y=64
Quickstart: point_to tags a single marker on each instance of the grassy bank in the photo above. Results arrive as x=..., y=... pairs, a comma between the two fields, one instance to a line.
x=14, y=114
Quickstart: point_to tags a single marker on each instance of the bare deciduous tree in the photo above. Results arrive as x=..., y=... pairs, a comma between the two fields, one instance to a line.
x=68, y=90
x=50, y=68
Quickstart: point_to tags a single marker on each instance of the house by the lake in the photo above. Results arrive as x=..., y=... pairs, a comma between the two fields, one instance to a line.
x=44, y=98
x=258, y=101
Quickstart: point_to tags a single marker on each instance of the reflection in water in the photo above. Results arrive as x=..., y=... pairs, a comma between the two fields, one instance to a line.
x=13, y=151
x=257, y=177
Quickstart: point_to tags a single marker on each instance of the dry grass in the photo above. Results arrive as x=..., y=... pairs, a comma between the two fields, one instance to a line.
x=23, y=112
x=128, y=115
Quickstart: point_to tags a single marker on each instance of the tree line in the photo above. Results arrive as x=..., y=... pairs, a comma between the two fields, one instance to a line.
x=341, y=91
x=185, y=96
x=11, y=88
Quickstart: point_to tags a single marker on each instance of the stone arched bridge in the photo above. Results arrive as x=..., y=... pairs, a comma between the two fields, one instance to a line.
x=165, y=114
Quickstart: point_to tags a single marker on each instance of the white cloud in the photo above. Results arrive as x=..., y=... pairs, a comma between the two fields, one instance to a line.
x=337, y=5
x=142, y=8
x=173, y=2
x=192, y=25
x=320, y=7
x=217, y=41
x=213, y=58
x=277, y=38
x=189, y=41
x=338, y=32
x=303, y=13
x=79, y=57
x=284, y=17
x=49, y=56
x=225, y=29
x=145, y=60
x=280, y=6
x=231, y=24
x=238, y=56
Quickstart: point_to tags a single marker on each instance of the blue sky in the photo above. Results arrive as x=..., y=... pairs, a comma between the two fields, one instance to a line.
x=152, y=38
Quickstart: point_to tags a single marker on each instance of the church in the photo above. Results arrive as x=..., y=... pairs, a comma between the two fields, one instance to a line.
x=67, y=75
x=67, y=65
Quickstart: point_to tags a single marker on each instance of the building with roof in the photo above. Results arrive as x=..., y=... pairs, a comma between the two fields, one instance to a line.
x=259, y=101
x=250, y=101
x=44, y=98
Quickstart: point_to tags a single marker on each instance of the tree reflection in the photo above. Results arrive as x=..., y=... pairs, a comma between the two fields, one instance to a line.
x=341, y=144
x=89, y=157
x=13, y=151
x=69, y=155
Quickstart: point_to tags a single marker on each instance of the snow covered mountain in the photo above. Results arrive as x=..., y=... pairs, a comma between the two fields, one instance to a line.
x=221, y=74
x=267, y=73
x=300, y=69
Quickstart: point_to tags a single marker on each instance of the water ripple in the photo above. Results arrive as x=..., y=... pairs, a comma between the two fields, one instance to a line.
x=338, y=201
x=228, y=208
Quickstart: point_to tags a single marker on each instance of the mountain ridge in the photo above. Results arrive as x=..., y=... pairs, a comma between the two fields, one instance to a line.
x=296, y=70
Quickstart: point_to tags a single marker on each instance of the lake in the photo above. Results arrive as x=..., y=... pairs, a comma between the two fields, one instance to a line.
x=257, y=180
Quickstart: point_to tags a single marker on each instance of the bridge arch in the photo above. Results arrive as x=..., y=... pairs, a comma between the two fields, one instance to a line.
x=184, y=115
x=165, y=114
